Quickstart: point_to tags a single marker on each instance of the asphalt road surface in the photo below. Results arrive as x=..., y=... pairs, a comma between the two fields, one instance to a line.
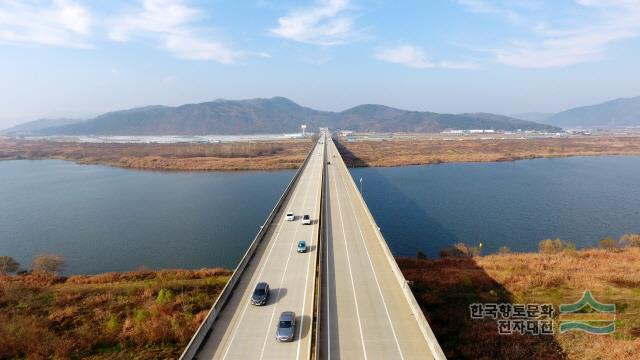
x=244, y=331
x=365, y=314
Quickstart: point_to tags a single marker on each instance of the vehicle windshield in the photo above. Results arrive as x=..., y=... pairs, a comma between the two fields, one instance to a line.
x=259, y=292
x=301, y=243
x=306, y=216
x=285, y=324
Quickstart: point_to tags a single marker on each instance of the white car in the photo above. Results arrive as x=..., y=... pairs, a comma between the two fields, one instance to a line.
x=290, y=216
x=306, y=220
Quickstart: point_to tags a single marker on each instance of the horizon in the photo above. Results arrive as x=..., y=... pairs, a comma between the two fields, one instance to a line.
x=89, y=117
x=77, y=59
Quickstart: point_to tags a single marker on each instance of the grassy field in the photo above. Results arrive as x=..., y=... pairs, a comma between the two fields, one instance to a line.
x=445, y=287
x=153, y=314
x=131, y=315
x=259, y=155
x=421, y=151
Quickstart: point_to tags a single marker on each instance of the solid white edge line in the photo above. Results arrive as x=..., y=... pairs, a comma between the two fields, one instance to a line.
x=306, y=282
x=353, y=286
x=280, y=226
x=373, y=269
x=284, y=273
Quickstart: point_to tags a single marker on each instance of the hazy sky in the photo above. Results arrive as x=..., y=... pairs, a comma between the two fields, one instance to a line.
x=79, y=58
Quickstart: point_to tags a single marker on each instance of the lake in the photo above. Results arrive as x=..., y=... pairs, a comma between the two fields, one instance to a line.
x=102, y=218
x=517, y=204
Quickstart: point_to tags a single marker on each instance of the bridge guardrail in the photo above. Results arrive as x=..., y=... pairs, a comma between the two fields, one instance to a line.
x=204, y=329
x=319, y=253
x=436, y=350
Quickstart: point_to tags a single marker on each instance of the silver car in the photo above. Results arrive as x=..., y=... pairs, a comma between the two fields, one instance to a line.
x=286, y=329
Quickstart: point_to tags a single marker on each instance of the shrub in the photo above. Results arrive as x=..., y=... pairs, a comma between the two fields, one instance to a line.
x=165, y=296
x=608, y=243
x=48, y=263
x=630, y=240
x=570, y=249
x=113, y=325
x=504, y=250
x=551, y=246
x=141, y=315
x=475, y=251
x=461, y=250
x=8, y=265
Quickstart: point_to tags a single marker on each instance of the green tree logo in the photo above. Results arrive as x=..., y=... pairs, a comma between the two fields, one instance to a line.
x=588, y=315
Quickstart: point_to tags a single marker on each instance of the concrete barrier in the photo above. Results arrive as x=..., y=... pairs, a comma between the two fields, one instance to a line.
x=205, y=328
x=436, y=350
x=319, y=257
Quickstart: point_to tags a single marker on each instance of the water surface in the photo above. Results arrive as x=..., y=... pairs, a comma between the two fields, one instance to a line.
x=102, y=218
x=517, y=204
x=109, y=219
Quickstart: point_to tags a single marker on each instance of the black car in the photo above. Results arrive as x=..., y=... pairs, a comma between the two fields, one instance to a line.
x=260, y=294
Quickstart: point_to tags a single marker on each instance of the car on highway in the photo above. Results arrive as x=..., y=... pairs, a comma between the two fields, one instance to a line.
x=286, y=329
x=306, y=220
x=260, y=294
x=290, y=216
x=302, y=246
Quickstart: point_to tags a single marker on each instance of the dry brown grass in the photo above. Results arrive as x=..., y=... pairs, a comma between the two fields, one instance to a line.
x=422, y=151
x=259, y=155
x=140, y=314
x=445, y=288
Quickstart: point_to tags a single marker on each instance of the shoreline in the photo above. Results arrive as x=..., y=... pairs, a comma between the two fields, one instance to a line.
x=155, y=312
x=289, y=154
x=417, y=152
x=232, y=156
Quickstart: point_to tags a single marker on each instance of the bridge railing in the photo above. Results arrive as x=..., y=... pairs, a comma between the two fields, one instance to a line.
x=315, y=355
x=204, y=329
x=426, y=330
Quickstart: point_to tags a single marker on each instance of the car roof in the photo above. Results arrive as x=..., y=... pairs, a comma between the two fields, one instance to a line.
x=261, y=285
x=302, y=242
x=287, y=316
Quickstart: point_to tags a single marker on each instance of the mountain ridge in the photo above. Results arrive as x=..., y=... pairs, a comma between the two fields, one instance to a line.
x=277, y=115
x=613, y=113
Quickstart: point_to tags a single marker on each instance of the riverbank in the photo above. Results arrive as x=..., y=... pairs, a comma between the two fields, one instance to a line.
x=446, y=287
x=139, y=314
x=422, y=150
x=153, y=314
x=255, y=155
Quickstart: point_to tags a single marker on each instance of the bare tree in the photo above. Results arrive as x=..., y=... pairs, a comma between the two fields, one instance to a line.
x=8, y=265
x=48, y=263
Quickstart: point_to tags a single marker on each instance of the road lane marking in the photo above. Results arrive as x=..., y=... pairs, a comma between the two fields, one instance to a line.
x=353, y=286
x=327, y=280
x=279, y=227
x=284, y=273
x=373, y=270
x=304, y=299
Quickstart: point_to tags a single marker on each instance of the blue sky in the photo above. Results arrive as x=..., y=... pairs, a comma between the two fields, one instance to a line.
x=79, y=58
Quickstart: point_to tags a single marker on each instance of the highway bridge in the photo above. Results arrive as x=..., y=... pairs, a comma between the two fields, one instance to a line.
x=350, y=298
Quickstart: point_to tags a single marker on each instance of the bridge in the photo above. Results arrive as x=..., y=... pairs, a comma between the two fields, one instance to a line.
x=350, y=298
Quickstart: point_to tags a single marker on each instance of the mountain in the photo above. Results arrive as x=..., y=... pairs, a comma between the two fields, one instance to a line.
x=533, y=116
x=278, y=115
x=619, y=112
x=34, y=126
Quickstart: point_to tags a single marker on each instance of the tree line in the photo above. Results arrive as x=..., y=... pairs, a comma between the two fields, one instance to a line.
x=44, y=263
